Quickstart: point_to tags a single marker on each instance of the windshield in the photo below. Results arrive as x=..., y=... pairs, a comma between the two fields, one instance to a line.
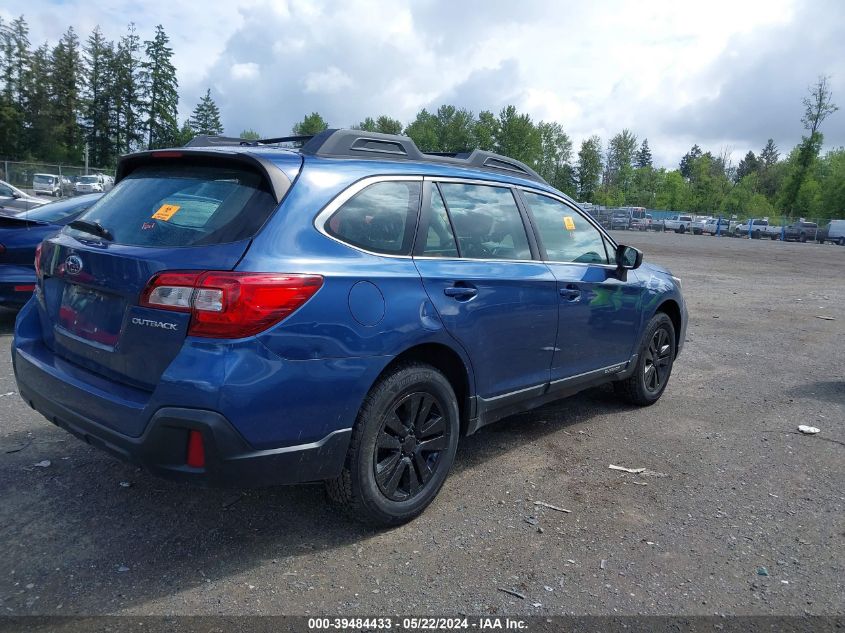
x=56, y=212
x=88, y=180
x=41, y=179
x=184, y=204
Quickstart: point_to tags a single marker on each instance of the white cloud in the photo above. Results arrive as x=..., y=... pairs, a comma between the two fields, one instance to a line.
x=327, y=82
x=655, y=67
x=248, y=70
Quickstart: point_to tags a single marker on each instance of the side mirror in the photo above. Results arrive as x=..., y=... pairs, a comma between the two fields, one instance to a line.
x=628, y=257
x=16, y=195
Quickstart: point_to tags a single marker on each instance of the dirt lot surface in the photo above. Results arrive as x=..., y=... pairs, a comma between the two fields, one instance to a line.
x=739, y=514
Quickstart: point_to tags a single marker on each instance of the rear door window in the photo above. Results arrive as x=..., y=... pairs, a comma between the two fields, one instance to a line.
x=381, y=218
x=440, y=241
x=487, y=222
x=185, y=204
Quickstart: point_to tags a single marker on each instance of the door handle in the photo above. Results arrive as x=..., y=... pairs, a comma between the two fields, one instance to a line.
x=460, y=292
x=570, y=292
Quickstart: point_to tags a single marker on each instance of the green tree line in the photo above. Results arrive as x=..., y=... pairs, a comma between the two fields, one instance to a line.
x=113, y=96
x=620, y=172
x=117, y=96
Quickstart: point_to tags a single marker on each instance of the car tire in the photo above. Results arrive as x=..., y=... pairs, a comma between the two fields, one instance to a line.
x=654, y=363
x=841, y=241
x=756, y=235
x=803, y=238
x=387, y=478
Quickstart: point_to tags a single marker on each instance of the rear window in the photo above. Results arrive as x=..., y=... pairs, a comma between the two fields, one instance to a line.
x=380, y=218
x=177, y=205
x=43, y=180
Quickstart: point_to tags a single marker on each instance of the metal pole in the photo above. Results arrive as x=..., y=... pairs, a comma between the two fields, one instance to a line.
x=86, y=158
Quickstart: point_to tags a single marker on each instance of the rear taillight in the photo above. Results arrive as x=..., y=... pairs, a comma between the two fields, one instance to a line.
x=38, y=261
x=2, y=249
x=230, y=304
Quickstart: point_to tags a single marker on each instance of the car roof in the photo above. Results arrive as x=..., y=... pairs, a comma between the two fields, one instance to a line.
x=356, y=166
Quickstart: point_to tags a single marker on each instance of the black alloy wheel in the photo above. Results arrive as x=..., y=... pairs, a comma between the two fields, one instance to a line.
x=410, y=446
x=658, y=356
x=402, y=447
x=647, y=380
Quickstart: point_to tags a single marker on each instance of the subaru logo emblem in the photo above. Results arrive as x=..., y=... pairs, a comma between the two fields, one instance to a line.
x=73, y=265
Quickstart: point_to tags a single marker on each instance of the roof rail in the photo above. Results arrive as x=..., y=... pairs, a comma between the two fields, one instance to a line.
x=206, y=140
x=334, y=143
x=373, y=145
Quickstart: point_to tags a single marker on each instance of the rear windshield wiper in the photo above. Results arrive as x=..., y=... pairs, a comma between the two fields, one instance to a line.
x=94, y=228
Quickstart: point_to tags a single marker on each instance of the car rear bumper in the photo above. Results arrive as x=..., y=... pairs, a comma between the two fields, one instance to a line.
x=162, y=448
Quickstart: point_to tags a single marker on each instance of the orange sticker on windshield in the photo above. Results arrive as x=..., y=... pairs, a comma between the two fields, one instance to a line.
x=166, y=211
x=568, y=222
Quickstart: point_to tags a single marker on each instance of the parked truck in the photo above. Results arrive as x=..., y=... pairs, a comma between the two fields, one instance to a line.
x=758, y=228
x=801, y=231
x=678, y=223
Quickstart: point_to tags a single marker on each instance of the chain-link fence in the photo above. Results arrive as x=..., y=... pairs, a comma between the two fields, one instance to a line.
x=20, y=174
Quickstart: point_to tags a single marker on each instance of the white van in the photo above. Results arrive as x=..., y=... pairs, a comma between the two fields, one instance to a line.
x=834, y=232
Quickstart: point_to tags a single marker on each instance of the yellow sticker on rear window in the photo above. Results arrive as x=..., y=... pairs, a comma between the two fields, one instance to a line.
x=166, y=211
x=568, y=222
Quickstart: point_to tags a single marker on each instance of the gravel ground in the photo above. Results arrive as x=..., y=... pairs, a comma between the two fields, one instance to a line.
x=737, y=513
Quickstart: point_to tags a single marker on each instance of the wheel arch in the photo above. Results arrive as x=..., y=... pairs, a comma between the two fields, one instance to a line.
x=450, y=363
x=671, y=309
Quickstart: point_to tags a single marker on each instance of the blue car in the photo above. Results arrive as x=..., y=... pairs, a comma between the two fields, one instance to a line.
x=20, y=234
x=246, y=314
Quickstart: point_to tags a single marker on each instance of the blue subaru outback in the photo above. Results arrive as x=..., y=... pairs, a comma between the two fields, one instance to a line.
x=246, y=314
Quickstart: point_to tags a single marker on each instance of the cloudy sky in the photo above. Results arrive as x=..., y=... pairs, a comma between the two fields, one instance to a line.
x=727, y=74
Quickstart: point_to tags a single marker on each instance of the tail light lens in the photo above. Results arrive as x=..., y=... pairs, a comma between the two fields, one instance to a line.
x=230, y=304
x=37, y=261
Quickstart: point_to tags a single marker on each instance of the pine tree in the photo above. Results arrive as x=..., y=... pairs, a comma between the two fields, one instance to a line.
x=65, y=71
x=643, y=158
x=37, y=107
x=249, y=135
x=688, y=159
x=17, y=59
x=127, y=92
x=15, y=54
x=159, y=81
x=98, y=100
x=748, y=165
x=206, y=117
x=769, y=155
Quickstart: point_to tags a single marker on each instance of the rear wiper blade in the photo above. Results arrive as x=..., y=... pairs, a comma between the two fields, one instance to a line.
x=94, y=228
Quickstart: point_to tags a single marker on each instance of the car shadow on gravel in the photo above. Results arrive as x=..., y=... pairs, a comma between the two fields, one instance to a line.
x=95, y=534
x=510, y=433
x=826, y=390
